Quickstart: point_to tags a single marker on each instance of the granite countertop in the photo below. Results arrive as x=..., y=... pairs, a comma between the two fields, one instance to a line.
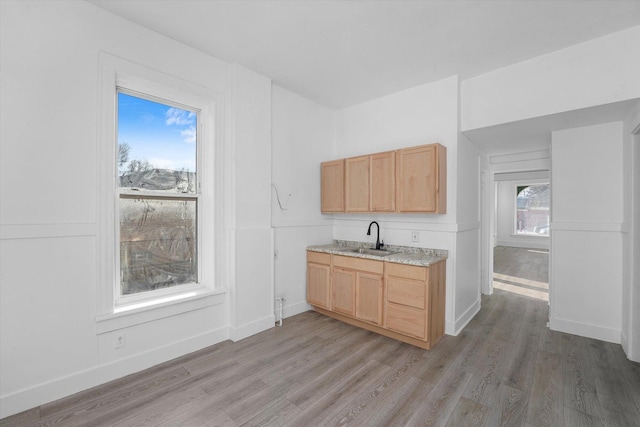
x=402, y=254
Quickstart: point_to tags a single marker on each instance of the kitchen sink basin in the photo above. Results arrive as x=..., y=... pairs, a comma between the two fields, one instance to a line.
x=369, y=251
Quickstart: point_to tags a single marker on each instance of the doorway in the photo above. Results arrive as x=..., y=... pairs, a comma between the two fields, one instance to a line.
x=520, y=220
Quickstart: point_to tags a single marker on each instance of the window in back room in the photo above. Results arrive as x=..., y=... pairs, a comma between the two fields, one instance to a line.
x=532, y=210
x=157, y=195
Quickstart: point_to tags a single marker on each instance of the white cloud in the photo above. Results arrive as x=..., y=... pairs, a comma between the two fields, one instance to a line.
x=176, y=116
x=189, y=135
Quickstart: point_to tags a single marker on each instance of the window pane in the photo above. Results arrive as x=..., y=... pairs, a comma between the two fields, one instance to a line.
x=157, y=243
x=533, y=210
x=156, y=146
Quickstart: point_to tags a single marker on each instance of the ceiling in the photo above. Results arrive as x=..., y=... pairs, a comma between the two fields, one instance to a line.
x=340, y=53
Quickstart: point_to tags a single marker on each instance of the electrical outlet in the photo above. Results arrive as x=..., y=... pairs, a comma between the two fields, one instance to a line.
x=120, y=340
x=415, y=236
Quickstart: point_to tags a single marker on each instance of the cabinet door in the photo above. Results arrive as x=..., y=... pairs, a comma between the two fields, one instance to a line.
x=318, y=284
x=357, y=184
x=406, y=320
x=344, y=290
x=332, y=192
x=369, y=297
x=421, y=179
x=412, y=293
x=383, y=182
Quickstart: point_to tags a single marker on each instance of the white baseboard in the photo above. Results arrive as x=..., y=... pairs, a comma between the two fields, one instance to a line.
x=58, y=388
x=248, y=329
x=586, y=330
x=466, y=317
x=524, y=245
x=295, y=308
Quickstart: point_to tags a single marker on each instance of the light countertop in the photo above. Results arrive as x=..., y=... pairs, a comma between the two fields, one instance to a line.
x=423, y=257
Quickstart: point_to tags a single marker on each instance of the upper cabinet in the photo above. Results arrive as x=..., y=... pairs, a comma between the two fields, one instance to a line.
x=332, y=186
x=421, y=184
x=357, y=185
x=383, y=182
x=411, y=180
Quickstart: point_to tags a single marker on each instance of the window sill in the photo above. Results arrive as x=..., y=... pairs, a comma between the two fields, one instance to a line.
x=529, y=235
x=136, y=316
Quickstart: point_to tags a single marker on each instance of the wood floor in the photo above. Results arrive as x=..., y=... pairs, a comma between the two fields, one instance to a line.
x=522, y=271
x=504, y=368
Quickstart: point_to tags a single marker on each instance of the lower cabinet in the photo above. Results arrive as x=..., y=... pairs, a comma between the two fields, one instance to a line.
x=319, y=279
x=344, y=291
x=401, y=301
x=357, y=288
x=369, y=294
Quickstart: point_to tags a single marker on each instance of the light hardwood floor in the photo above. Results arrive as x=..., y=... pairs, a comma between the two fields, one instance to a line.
x=504, y=368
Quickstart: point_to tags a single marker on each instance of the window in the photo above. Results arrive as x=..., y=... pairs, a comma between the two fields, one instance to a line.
x=157, y=194
x=159, y=168
x=532, y=210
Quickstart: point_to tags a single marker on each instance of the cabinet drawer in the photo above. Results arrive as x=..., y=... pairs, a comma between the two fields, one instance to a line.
x=318, y=257
x=407, y=271
x=406, y=320
x=360, y=264
x=406, y=292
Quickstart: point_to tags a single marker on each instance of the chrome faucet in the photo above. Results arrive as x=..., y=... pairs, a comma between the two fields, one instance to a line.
x=378, y=237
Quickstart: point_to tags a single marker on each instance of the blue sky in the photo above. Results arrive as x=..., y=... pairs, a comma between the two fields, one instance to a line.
x=163, y=135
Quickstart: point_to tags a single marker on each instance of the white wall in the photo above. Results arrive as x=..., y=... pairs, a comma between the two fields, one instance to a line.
x=252, y=290
x=421, y=115
x=587, y=231
x=506, y=209
x=631, y=239
x=596, y=72
x=467, y=252
x=302, y=138
x=49, y=344
x=633, y=329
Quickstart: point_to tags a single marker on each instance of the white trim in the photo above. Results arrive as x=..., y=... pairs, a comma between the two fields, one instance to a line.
x=612, y=227
x=252, y=328
x=412, y=224
x=466, y=317
x=294, y=309
x=586, y=330
x=301, y=222
x=58, y=388
x=119, y=320
x=43, y=231
x=467, y=226
x=529, y=244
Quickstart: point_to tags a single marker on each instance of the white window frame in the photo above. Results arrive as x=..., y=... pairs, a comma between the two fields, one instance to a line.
x=125, y=302
x=113, y=310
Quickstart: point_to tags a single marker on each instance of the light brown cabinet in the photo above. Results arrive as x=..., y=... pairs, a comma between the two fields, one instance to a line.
x=369, y=297
x=319, y=279
x=344, y=291
x=401, y=301
x=411, y=180
x=370, y=183
x=358, y=289
x=421, y=179
x=332, y=192
x=357, y=187
x=383, y=182
x=415, y=300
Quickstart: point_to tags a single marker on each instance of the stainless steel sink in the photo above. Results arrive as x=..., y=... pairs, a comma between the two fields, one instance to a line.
x=369, y=251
